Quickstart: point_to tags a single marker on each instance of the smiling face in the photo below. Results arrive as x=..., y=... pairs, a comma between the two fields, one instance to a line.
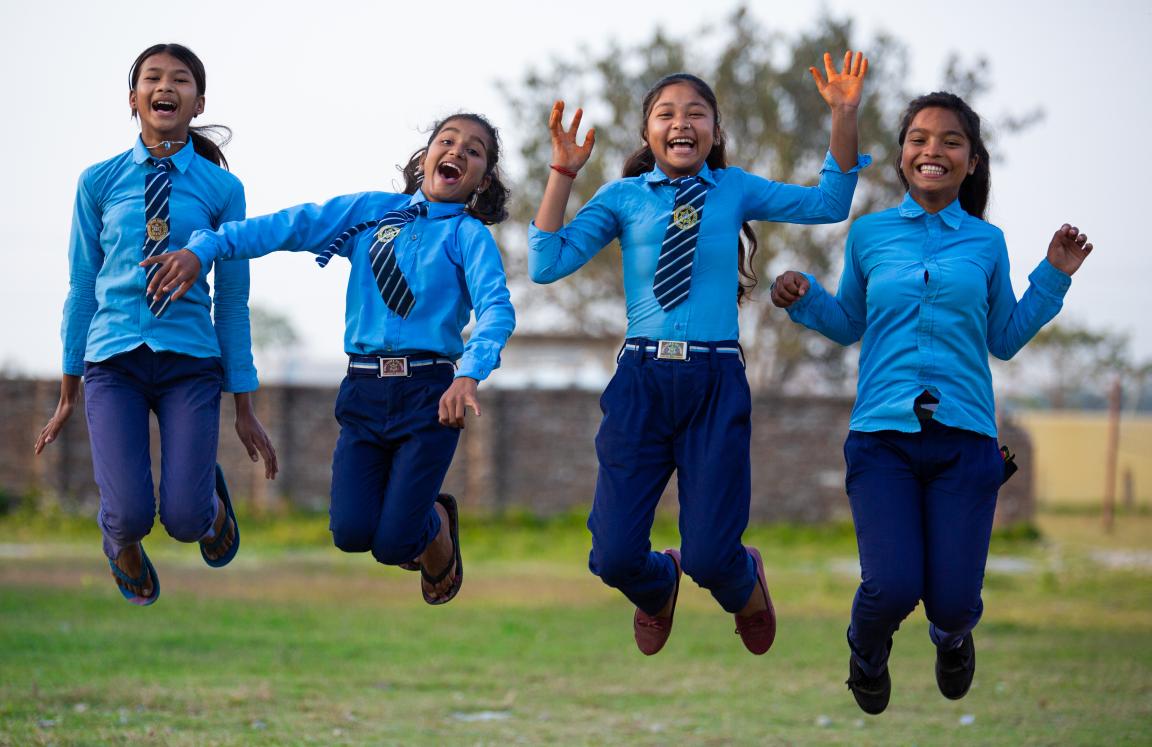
x=680, y=130
x=936, y=158
x=165, y=98
x=456, y=164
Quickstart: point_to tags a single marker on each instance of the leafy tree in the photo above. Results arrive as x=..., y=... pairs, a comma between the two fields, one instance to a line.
x=1071, y=365
x=777, y=126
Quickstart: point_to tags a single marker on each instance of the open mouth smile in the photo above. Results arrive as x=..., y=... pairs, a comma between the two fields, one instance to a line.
x=682, y=145
x=449, y=172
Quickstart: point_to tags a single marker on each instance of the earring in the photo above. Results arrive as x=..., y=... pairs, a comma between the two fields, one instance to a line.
x=473, y=200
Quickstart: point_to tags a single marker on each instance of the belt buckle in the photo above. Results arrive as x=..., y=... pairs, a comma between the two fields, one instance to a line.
x=390, y=367
x=671, y=350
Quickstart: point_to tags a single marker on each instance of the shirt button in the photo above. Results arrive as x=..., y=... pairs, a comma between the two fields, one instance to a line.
x=413, y=237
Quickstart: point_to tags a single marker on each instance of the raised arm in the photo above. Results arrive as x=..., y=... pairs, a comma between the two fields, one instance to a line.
x=843, y=91
x=568, y=157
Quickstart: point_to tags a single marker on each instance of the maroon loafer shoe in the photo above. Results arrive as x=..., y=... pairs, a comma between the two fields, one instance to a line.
x=652, y=631
x=758, y=630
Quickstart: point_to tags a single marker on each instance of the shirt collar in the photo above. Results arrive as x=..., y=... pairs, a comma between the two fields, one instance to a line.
x=181, y=159
x=437, y=209
x=953, y=215
x=655, y=176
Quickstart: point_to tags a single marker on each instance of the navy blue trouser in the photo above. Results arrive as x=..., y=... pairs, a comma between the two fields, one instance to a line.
x=184, y=392
x=390, y=462
x=693, y=417
x=923, y=505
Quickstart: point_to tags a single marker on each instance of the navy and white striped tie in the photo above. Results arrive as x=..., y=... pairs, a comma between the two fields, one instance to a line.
x=390, y=280
x=157, y=192
x=674, y=267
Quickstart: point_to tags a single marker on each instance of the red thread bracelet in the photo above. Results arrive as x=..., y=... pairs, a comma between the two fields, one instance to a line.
x=561, y=170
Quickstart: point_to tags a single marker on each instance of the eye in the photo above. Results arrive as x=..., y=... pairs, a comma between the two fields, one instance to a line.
x=473, y=152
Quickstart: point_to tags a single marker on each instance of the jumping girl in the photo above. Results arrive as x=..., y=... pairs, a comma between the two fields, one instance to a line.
x=421, y=262
x=926, y=288
x=679, y=399
x=138, y=352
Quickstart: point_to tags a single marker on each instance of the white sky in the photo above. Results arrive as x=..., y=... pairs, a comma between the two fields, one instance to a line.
x=315, y=95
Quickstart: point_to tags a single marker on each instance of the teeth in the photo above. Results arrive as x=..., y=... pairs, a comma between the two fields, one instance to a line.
x=931, y=168
x=681, y=141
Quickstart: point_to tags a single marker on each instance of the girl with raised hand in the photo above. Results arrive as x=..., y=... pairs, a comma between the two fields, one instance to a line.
x=422, y=261
x=138, y=352
x=679, y=399
x=926, y=289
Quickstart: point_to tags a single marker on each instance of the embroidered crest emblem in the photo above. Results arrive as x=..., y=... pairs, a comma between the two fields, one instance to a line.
x=387, y=233
x=157, y=229
x=685, y=217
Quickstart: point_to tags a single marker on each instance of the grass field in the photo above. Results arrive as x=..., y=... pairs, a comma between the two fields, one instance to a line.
x=295, y=643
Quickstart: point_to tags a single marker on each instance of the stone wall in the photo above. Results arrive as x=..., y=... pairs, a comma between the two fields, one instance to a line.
x=531, y=451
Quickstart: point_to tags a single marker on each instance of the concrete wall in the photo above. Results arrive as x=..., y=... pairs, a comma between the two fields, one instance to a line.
x=532, y=450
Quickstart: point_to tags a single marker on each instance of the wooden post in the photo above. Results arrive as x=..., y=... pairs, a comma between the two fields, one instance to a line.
x=1112, y=455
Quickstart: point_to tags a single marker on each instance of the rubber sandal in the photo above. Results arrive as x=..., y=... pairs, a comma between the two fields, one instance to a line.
x=218, y=540
x=146, y=575
x=449, y=504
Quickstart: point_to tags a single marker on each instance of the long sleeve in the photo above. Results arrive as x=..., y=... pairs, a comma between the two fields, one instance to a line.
x=85, y=257
x=1012, y=324
x=842, y=318
x=230, y=285
x=554, y=255
x=495, y=317
x=829, y=201
x=309, y=228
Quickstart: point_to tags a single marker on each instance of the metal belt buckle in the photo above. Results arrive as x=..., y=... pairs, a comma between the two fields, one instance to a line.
x=671, y=350
x=393, y=367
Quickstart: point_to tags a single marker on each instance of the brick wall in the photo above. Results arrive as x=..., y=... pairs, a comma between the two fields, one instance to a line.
x=532, y=450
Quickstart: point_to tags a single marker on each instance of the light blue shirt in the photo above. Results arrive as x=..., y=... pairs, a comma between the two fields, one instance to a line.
x=636, y=210
x=106, y=312
x=450, y=260
x=931, y=297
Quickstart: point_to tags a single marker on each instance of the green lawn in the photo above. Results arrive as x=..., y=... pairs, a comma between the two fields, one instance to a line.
x=296, y=643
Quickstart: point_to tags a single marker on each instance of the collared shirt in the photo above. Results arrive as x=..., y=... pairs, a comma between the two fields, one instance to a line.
x=106, y=312
x=450, y=260
x=636, y=210
x=931, y=296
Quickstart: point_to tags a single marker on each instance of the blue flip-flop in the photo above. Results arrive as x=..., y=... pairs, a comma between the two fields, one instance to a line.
x=226, y=558
x=146, y=575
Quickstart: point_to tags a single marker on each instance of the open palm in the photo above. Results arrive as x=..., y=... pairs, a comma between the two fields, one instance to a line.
x=843, y=88
x=566, y=152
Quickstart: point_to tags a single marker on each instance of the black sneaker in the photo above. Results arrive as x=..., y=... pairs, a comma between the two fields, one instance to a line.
x=871, y=693
x=954, y=669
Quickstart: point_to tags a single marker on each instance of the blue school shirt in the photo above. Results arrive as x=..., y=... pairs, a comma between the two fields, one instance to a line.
x=450, y=260
x=636, y=210
x=106, y=312
x=931, y=297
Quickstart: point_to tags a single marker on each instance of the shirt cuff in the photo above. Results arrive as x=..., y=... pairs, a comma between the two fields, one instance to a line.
x=536, y=234
x=73, y=364
x=1050, y=280
x=863, y=161
x=239, y=381
x=801, y=305
x=474, y=368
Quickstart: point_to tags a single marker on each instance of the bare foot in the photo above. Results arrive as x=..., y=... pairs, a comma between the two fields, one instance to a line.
x=438, y=556
x=131, y=563
x=756, y=602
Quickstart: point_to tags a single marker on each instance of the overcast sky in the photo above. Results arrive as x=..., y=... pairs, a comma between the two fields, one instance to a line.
x=310, y=90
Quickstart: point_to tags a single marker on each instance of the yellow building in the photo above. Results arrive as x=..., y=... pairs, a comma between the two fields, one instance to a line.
x=1070, y=449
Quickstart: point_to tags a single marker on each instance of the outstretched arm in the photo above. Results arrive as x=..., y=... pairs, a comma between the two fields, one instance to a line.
x=843, y=91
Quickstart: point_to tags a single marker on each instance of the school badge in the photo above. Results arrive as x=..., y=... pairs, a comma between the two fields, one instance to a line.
x=157, y=229
x=387, y=233
x=685, y=217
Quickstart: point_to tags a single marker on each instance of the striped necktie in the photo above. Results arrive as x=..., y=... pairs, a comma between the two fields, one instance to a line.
x=674, y=267
x=157, y=192
x=382, y=255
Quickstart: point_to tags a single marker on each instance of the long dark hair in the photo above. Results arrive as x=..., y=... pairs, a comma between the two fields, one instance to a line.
x=489, y=206
x=976, y=186
x=642, y=161
x=207, y=140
